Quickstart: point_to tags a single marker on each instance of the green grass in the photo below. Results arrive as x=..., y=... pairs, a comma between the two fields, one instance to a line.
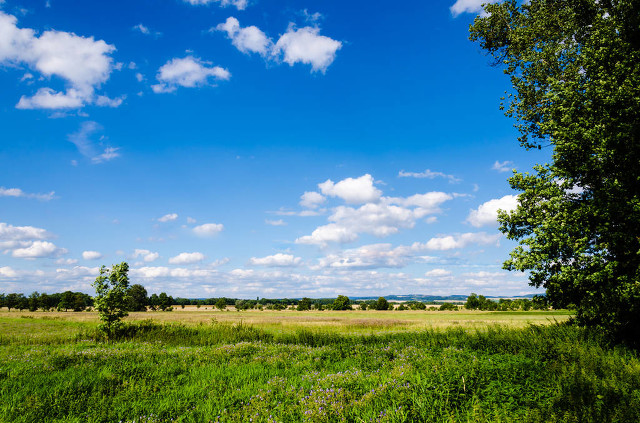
x=59, y=370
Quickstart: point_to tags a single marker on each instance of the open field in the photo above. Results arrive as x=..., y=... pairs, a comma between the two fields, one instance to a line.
x=287, y=366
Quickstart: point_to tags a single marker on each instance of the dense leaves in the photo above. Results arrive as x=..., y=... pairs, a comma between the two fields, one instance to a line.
x=576, y=88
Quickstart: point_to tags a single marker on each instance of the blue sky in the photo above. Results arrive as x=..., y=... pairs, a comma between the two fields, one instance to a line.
x=253, y=148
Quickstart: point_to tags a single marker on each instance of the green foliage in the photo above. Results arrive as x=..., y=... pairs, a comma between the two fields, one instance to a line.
x=111, y=300
x=576, y=88
x=304, y=304
x=341, y=303
x=138, y=298
x=240, y=373
x=448, y=307
x=221, y=304
x=381, y=304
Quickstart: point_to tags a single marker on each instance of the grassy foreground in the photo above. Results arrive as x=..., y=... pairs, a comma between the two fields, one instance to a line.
x=53, y=367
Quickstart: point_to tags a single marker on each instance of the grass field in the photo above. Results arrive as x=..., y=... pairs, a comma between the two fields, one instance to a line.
x=199, y=365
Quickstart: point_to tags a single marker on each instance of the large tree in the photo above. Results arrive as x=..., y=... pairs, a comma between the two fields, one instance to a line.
x=575, y=70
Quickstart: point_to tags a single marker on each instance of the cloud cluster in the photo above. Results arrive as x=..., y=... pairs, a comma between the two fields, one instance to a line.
x=238, y=4
x=146, y=255
x=428, y=174
x=297, y=45
x=187, y=258
x=170, y=217
x=187, y=72
x=82, y=62
x=376, y=215
x=502, y=167
x=208, y=229
x=91, y=255
x=469, y=6
x=17, y=192
x=276, y=260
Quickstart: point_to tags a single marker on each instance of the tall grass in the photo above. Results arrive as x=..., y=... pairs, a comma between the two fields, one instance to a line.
x=238, y=373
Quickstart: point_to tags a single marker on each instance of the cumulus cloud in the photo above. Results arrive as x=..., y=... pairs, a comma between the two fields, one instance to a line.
x=297, y=45
x=187, y=72
x=428, y=174
x=208, y=229
x=276, y=260
x=312, y=199
x=451, y=242
x=379, y=216
x=249, y=39
x=84, y=141
x=487, y=213
x=187, y=258
x=238, y=4
x=21, y=233
x=146, y=255
x=168, y=217
x=306, y=45
x=38, y=249
x=148, y=272
x=469, y=6
x=82, y=62
x=91, y=255
x=17, y=192
x=502, y=167
x=369, y=257
x=352, y=190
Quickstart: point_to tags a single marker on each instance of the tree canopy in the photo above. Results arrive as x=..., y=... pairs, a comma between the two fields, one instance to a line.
x=574, y=69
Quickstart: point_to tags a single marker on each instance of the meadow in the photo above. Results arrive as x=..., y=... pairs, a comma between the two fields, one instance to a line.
x=199, y=365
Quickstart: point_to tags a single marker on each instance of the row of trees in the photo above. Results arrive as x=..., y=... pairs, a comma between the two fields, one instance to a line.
x=480, y=302
x=64, y=301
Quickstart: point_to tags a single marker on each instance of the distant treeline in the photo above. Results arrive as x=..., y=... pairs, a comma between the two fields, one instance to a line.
x=139, y=300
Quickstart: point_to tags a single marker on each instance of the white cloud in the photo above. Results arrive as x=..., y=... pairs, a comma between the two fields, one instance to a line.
x=369, y=257
x=379, y=216
x=238, y=4
x=469, y=6
x=21, y=233
x=191, y=220
x=501, y=167
x=249, y=39
x=276, y=260
x=143, y=29
x=38, y=249
x=91, y=255
x=83, y=62
x=7, y=272
x=296, y=45
x=17, y=192
x=437, y=273
x=278, y=222
x=352, y=191
x=428, y=174
x=166, y=272
x=450, y=242
x=89, y=148
x=328, y=233
x=312, y=199
x=208, y=229
x=187, y=258
x=66, y=261
x=146, y=255
x=187, y=72
x=487, y=213
x=306, y=45
x=168, y=217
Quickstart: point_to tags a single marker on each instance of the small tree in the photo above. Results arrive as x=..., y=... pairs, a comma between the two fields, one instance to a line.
x=221, y=304
x=138, y=298
x=111, y=299
x=341, y=303
x=381, y=304
x=304, y=304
